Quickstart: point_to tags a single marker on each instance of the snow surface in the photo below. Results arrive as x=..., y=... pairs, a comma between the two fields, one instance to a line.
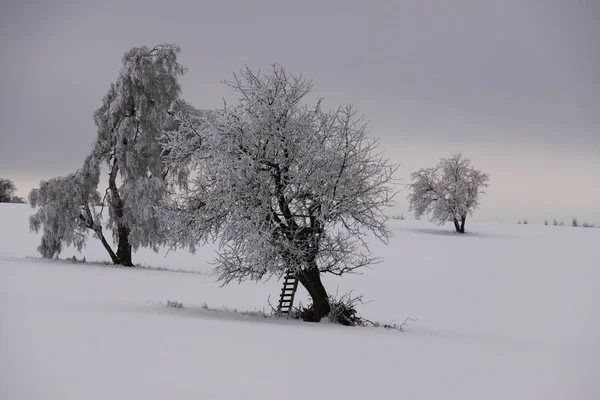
x=506, y=312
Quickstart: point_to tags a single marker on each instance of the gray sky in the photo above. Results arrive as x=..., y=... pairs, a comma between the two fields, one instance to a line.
x=512, y=84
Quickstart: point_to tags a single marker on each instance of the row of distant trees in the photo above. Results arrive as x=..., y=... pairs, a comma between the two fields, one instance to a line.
x=7, y=192
x=574, y=223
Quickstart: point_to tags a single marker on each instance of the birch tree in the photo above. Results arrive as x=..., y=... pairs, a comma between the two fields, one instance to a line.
x=281, y=186
x=448, y=192
x=133, y=115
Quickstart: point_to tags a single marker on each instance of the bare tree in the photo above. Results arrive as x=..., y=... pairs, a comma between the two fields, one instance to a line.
x=282, y=186
x=449, y=191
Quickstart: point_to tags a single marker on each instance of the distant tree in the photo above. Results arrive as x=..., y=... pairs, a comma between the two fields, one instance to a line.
x=449, y=191
x=574, y=223
x=7, y=190
x=525, y=222
x=585, y=225
x=283, y=187
x=555, y=222
x=545, y=222
x=562, y=223
x=132, y=118
x=519, y=222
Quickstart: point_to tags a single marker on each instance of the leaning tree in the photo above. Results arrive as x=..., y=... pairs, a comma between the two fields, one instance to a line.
x=284, y=188
x=449, y=191
x=132, y=118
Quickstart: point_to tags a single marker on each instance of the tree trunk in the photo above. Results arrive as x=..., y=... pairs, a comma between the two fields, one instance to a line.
x=456, y=225
x=124, y=247
x=113, y=256
x=462, y=223
x=311, y=280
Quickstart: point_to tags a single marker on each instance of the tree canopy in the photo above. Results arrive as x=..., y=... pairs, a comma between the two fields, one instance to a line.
x=282, y=186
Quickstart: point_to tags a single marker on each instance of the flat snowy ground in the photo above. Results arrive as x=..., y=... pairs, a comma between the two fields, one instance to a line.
x=506, y=312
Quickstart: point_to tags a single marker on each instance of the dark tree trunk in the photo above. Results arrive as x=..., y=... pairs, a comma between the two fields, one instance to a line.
x=311, y=280
x=124, y=247
x=462, y=223
x=456, y=225
x=113, y=256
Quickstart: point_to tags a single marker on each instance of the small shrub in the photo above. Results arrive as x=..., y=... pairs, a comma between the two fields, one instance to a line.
x=174, y=304
x=343, y=310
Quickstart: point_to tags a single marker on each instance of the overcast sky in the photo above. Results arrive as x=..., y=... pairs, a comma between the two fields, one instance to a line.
x=512, y=84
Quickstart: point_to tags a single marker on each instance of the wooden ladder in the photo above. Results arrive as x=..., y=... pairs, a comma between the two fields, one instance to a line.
x=286, y=300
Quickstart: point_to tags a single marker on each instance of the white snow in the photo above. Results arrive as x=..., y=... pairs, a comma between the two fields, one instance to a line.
x=507, y=312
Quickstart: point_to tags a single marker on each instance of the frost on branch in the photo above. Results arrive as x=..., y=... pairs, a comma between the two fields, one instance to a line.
x=449, y=191
x=280, y=184
x=132, y=118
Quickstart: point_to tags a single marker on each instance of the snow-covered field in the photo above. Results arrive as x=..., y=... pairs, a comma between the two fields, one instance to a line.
x=506, y=312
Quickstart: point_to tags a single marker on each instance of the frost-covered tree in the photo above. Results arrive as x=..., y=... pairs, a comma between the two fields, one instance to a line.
x=7, y=190
x=575, y=223
x=449, y=191
x=67, y=211
x=282, y=187
x=132, y=118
